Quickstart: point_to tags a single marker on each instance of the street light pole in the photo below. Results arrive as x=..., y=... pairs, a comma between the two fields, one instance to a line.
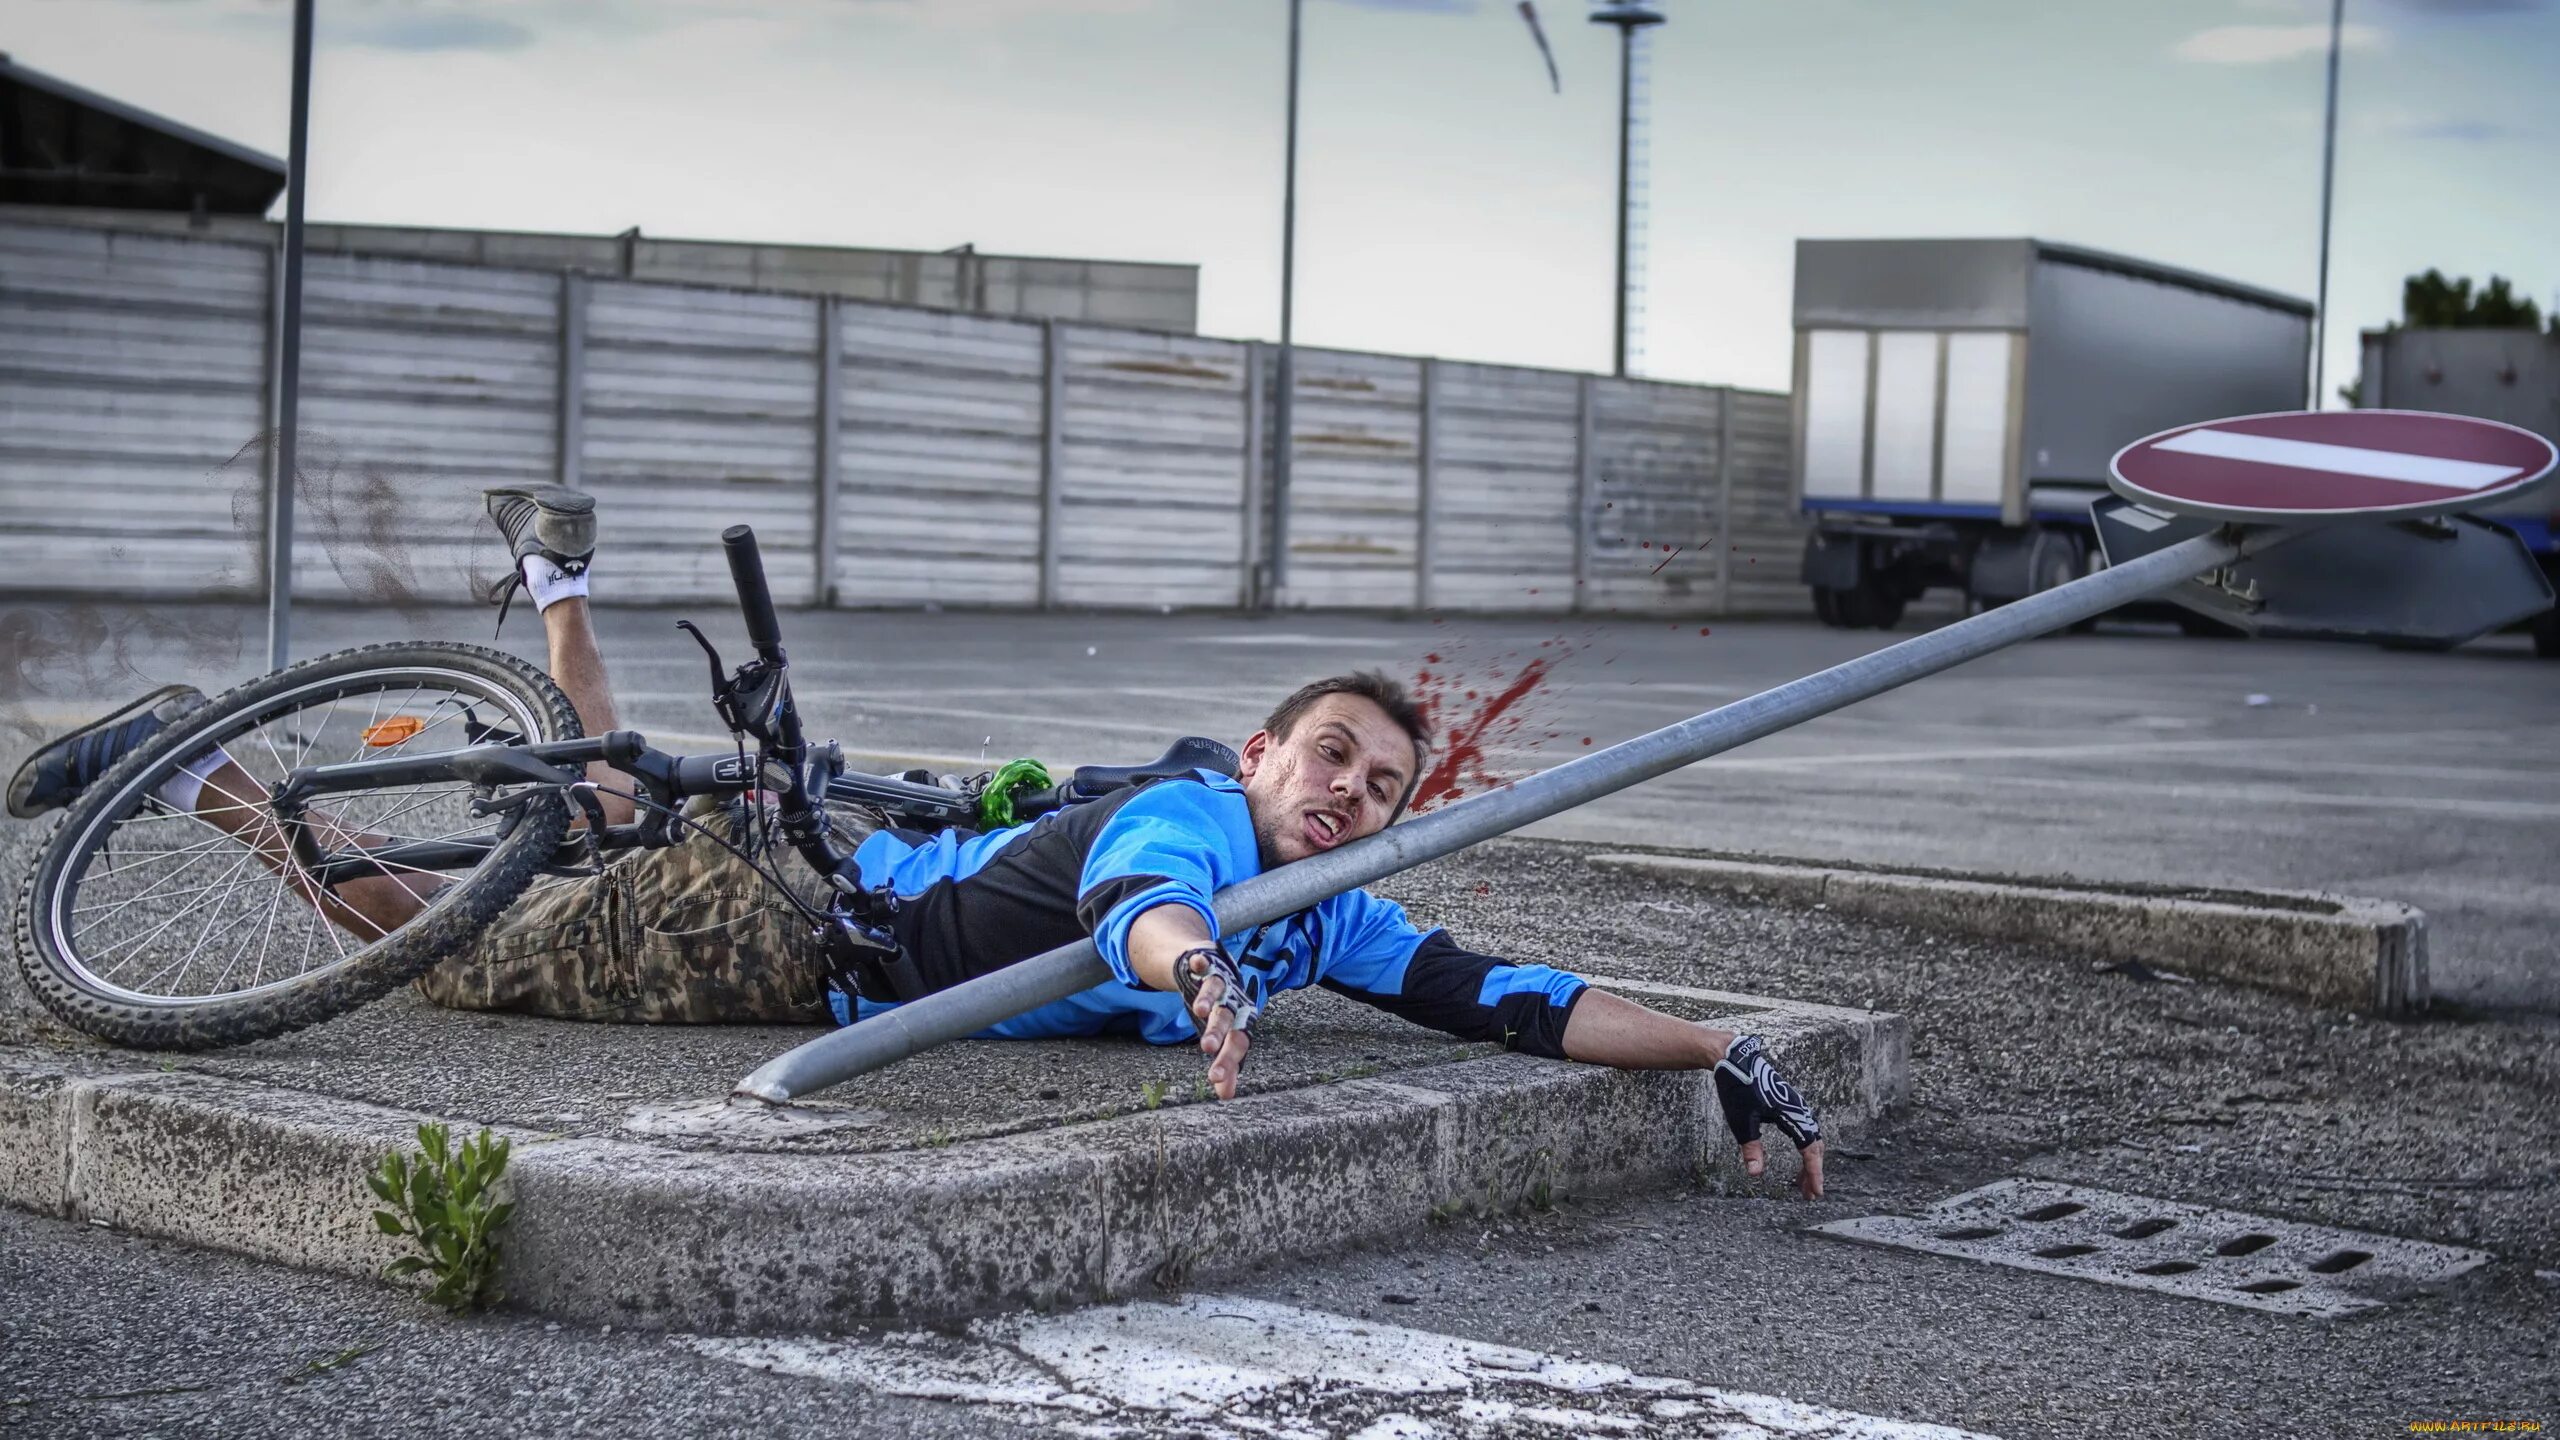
x=1626, y=126
x=1629, y=16
x=2328, y=178
x=1282, y=420
x=288, y=376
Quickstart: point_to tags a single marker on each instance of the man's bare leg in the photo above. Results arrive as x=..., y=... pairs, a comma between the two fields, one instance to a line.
x=234, y=802
x=577, y=665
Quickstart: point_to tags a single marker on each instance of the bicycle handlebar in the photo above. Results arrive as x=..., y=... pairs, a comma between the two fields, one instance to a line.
x=755, y=598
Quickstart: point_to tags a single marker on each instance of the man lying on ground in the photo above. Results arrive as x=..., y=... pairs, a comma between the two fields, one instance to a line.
x=691, y=933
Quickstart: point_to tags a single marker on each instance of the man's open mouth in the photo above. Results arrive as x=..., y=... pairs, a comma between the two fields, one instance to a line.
x=1326, y=829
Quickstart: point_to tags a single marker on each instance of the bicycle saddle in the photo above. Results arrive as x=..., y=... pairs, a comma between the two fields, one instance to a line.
x=1191, y=752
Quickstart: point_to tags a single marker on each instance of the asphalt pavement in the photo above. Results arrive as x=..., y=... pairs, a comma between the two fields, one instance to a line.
x=2025, y=1063
x=2132, y=754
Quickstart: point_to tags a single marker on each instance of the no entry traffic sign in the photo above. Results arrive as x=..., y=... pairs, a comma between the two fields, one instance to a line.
x=2314, y=465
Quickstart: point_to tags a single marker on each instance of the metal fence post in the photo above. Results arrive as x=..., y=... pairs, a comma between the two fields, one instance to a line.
x=1426, y=466
x=1586, y=491
x=573, y=377
x=1053, y=406
x=822, y=554
x=1724, y=500
x=1251, y=571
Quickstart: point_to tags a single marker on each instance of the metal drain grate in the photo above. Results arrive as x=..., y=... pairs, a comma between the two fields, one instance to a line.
x=2116, y=1239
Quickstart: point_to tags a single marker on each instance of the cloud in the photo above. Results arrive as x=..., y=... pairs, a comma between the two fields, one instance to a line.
x=2463, y=131
x=426, y=31
x=2265, y=44
x=2468, y=9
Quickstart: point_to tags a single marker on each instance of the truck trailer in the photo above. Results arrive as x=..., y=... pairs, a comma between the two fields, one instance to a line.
x=1957, y=402
x=2509, y=375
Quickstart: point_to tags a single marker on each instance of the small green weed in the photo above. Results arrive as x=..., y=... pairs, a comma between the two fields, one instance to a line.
x=1151, y=1094
x=343, y=1358
x=937, y=1138
x=445, y=1199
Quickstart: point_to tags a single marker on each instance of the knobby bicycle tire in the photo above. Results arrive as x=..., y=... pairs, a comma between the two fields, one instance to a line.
x=460, y=912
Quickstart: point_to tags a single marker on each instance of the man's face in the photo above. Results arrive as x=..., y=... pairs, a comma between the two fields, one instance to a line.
x=1337, y=777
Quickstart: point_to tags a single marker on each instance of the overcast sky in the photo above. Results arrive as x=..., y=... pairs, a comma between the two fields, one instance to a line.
x=1449, y=203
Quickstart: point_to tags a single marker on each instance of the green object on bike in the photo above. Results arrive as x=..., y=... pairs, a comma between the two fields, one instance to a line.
x=995, y=803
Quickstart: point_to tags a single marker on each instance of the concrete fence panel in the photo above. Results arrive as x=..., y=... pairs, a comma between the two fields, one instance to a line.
x=1152, y=507
x=133, y=396
x=1656, y=533
x=1765, y=536
x=938, y=498
x=887, y=455
x=699, y=411
x=1354, y=487
x=1506, y=477
x=422, y=383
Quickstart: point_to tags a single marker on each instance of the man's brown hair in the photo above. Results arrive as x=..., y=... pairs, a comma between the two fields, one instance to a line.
x=1371, y=685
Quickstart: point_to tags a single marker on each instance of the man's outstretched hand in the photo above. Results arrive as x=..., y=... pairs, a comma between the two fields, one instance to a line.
x=1752, y=1090
x=1223, y=1011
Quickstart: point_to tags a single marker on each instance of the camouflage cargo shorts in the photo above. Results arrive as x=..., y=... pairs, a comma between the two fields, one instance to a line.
x=684, y=935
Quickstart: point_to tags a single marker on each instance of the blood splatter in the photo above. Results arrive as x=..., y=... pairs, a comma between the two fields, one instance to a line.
x=1467, y=723
x=1703, y=630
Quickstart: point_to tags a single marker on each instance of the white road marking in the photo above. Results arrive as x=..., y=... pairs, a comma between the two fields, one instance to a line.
x=2340, y=459
x=1259, y=1367
x=1286, y=637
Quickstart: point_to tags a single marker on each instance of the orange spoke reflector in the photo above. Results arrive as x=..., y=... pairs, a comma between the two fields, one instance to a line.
x=385, y=733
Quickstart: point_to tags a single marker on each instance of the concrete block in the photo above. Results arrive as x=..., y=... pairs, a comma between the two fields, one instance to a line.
x=276, y=1174
x=683, y=1230
x=2342, y=951
x=1204, y=1190
x=35, y=1137
x=613, y=1232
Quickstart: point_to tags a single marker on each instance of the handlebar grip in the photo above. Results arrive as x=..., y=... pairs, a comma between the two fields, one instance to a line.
x=755, y=598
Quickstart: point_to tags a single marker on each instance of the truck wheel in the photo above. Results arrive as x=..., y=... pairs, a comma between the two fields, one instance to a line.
x=2546, y=634
x=1826, y=607
x=1872, y=606
x=2205, y=627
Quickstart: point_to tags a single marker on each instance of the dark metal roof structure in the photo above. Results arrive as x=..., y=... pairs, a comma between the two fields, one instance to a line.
x=62, y=145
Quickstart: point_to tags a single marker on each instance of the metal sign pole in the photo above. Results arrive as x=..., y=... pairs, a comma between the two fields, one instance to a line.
x=289, y=358
x=2328, y=179
x=966, y=1009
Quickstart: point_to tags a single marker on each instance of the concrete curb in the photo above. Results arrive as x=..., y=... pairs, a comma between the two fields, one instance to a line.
x=2336, y=950
x=633, y=1233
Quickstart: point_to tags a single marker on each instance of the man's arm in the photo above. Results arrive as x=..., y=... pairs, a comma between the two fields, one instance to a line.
x=1605, y=1029
x=1429, y=979
x=1157, y=939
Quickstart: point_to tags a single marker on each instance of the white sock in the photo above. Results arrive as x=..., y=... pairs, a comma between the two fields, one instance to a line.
x=182, y=790
x=548, y=583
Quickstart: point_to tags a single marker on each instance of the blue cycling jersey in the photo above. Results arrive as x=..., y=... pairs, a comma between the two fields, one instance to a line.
x=970, y=902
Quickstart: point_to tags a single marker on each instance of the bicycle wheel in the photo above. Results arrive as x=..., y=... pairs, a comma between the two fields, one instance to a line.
x=167, y=928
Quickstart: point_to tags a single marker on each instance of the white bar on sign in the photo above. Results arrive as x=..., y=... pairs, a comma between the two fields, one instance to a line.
x=2141, y=519
x=2341, y=459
